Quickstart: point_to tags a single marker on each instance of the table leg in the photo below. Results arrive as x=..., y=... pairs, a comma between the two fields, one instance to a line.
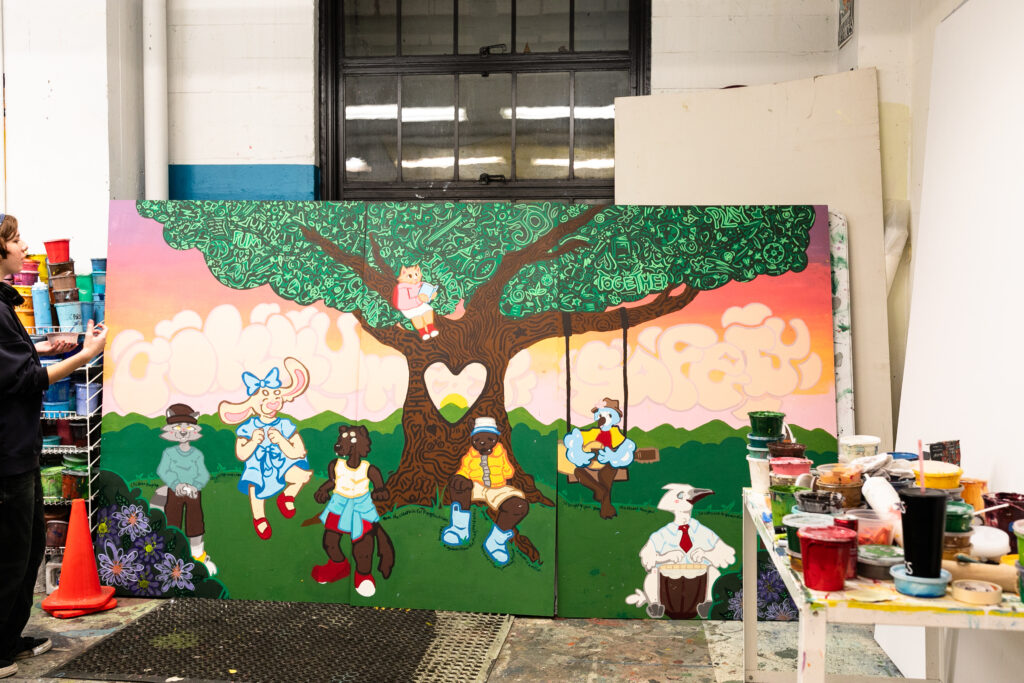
x=749, y=595
x=933, y=637
x=811, y=655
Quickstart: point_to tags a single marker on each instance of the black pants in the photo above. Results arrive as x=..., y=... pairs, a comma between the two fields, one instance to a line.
x=23, y=543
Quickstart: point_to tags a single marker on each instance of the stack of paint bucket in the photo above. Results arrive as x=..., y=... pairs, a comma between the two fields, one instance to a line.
x=99, y=288
x=64, y=286
x=765, y=427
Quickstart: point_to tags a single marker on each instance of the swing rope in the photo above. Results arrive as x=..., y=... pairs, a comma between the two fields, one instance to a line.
x=567, y=332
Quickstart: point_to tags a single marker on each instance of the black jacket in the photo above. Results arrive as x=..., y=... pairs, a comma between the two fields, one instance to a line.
x=22, y=383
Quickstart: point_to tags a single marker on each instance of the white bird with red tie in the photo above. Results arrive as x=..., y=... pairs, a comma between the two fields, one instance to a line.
x=684, y=540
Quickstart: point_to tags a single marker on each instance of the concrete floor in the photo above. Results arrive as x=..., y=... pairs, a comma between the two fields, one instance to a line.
x=556, y=649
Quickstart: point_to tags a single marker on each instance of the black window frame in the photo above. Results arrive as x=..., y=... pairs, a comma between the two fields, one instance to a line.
x=334, y=67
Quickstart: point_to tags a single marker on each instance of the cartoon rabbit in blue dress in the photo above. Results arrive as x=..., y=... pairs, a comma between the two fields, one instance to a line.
x=268, y=444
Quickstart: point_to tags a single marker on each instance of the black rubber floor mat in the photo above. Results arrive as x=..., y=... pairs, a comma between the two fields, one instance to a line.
x=243, y=640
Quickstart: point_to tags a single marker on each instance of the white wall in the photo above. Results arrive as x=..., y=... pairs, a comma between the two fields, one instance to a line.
x=242, y=80
x=700, y=44
x=57, y=150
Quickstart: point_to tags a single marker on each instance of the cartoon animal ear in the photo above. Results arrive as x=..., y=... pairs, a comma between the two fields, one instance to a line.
x=300, y=379
x=234, y=413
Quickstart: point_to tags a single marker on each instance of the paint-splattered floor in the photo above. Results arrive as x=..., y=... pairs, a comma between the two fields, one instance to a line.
x=558, y=649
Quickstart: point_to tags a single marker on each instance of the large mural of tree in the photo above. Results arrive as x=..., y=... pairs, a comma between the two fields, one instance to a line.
x=507, y=275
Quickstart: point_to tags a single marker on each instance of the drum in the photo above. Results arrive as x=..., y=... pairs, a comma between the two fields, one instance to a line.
x=682, y=587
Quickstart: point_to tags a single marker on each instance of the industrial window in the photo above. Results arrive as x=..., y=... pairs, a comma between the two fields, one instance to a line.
x=476, y=99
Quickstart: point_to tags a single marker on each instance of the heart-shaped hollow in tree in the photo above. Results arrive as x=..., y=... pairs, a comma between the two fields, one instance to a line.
x=453, y=394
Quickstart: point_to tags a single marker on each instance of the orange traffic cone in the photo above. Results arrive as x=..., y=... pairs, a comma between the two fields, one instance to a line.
x=79, y=591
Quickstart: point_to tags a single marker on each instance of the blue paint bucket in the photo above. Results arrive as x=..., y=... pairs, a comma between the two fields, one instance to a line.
x=99, y=281
x=87, y=397
x=41, y=307
x=99, y=264
x=87, y=312
x=54, y=409
x=69, y=316
x=98, y=310
x=59, y=392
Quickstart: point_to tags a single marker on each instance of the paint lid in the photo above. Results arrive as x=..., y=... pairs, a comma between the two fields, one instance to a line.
x=939, y=468
x=903, y=455
x=880, y=555
x=765, y=413
x=976, y=592
x=827, y=534
x=800, y=520
x=899, y=572
x=914, y=492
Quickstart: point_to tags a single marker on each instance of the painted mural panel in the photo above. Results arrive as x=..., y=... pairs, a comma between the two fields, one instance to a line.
x=367, y=403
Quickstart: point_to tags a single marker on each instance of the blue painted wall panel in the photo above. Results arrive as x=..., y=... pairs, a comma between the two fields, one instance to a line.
x=244, y=181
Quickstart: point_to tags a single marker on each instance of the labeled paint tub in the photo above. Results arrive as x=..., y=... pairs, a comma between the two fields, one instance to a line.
x=69, y=316
x=26, y=278
x=875, y=561
x=65, y=281
x=57, y=251
x=41, y=307
x=938, y=475
x=59, y=391
x=766, y=422
x=761, y=442
x=53, y=481
x=798, y=520
x=820, y=502
x=782, y=501
x=959, y=516
x=790, y=466
x=84, y=284
x=61, y=268
x=920, y=586
x=759, y=480
x=87, y=398
x=99, y=264
x=1003, y=517
x=825, y=552
x=1018, y=531
x=855, y=446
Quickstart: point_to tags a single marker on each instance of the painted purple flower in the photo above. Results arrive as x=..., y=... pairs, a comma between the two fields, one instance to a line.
x=132, y=520
x=151, y=548
x=146, y=585
x=118, y=567
x=106, y=525
x=736, y=605
x=770, y=585
x=781, y=611
x=172, y=571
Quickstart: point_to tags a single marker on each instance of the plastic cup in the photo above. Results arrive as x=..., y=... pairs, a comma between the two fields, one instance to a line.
x=766, y=422
x=69, y=316
x=825, y=552
x=924, y=526
x=57, y=251
x=759, y=481
x=783, y=501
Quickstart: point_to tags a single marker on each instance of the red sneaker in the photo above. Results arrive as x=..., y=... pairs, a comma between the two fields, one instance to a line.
x=282, y=501
x=331, y=572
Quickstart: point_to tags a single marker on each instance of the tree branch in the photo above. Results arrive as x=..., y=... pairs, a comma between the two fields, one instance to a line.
x=532, y=329
x=374, y=279
x=393, y=336
x=514, y=261
x=382, y=265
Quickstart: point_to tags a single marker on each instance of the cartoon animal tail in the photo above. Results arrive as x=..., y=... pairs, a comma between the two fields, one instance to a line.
x=315, y=519
x=385, y=551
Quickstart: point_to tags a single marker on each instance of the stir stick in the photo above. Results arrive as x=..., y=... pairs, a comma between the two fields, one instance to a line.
x=920, y=462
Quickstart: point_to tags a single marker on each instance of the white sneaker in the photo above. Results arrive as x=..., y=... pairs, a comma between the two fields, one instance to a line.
x=7, y=668
x=211, y=568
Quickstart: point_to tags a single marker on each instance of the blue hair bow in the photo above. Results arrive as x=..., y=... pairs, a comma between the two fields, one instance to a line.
x=254, y=383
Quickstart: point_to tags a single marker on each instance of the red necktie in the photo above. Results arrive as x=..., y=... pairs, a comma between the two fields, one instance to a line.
x=684, y=541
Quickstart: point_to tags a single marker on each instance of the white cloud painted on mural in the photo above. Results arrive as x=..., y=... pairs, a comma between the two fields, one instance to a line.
x=678, y=368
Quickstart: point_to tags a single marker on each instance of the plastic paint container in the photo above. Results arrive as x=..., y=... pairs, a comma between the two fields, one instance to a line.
x=53, y=481
x=99, y=280
x=851, y=493
x=872, y=528
x=75, y=484
x=848, y=523
x=782, y=501
x=84, y=283
x=973, y=489
x=1004, y=517
x=757, y=441
x=51, y=440
x=99, y=264
x=41, y=306
x=1018, y=530
x=959, y=516
x=821, y=502
x=788, y=466
x=87, y=398
x=63, y=281
x=79, y=434
x=799, y=520
x=98, y=309
x=26, y=278
x=781, y=480
x=86, y=312
x=56, y=533
x=57, y=250
x=69, y=316
x=63, y=296
x=759, y=479
x=825, y=552
x=51, y=410
x=920, y=586
x=58, y=392
x=61, y=268
x=765, y=422
x=857, y=446
x=839, y=474
x=875, y=561
x=786, y=449
x=761, y=453
x=939, y=475
x=1020, y=577
x=26, y=292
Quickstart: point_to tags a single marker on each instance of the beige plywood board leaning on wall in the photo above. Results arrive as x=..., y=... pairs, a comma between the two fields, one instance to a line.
x=799, y=142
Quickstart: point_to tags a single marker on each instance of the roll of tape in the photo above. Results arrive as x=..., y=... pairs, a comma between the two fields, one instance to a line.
x=977, y=592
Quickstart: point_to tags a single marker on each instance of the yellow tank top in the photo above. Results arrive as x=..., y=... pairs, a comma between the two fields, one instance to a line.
x=351, y=483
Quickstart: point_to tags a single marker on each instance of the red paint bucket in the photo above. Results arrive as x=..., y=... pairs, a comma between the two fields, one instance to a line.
x=826, y=556
x=57, y=251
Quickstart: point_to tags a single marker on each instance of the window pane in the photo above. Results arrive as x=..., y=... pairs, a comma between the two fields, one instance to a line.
x=602, y=25
x=542, y=26
x=371, y=127
x=542, y=126
x=485, y=135
x=595, y=121
x=427, y=27
x=428, y=127
x=484, y=22
x=370, y=27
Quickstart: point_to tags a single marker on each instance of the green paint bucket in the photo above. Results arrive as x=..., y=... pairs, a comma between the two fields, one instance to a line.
x=783, y=501
x=958, y=516
x=798, y=520
x=766, y=422
x=1018, y=531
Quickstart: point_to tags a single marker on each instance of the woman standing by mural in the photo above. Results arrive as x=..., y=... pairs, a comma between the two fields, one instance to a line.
x=22, y=383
